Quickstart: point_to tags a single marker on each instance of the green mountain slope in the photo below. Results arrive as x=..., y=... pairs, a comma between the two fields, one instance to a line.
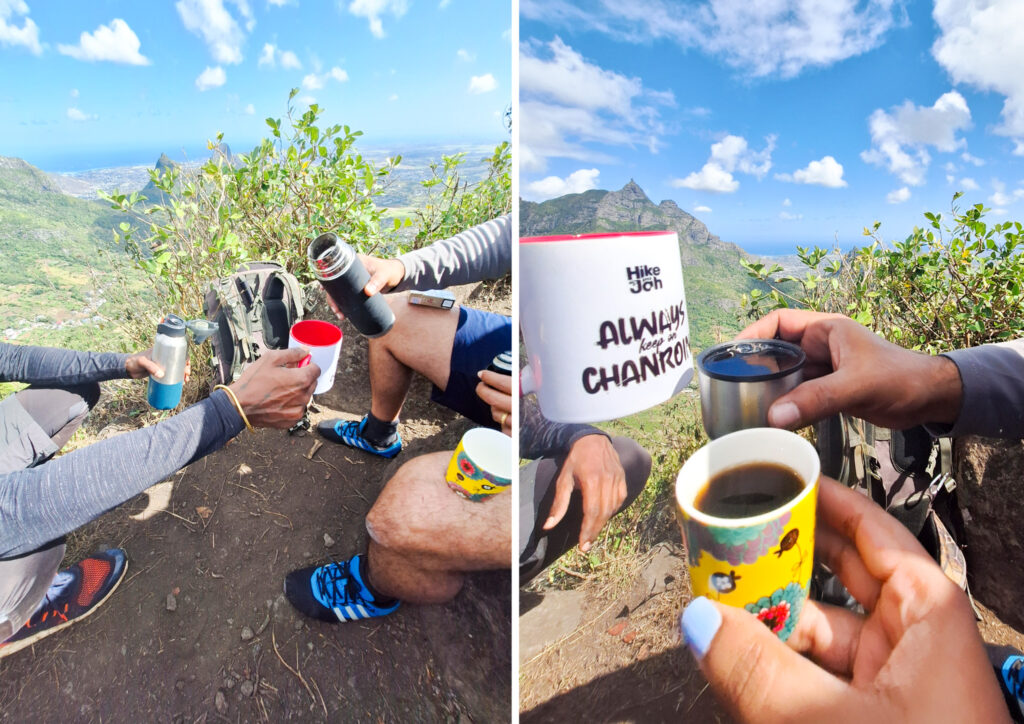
x=712, y=275
x=53, y=269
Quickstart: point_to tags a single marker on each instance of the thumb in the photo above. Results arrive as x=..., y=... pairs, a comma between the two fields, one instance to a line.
x=754, y=673
x=563, y=493
x=290, y=356
x=812, y=401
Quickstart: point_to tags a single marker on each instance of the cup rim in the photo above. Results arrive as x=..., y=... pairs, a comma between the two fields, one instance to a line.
x=487, y=437
x=590, y=237
x=736, y=438
x=763, y=377
x=332, y=330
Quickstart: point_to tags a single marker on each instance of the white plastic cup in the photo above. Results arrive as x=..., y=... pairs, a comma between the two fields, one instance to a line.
x=323, y=340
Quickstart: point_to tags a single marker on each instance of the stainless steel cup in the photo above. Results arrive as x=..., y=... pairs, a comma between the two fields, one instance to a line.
x=740, y=380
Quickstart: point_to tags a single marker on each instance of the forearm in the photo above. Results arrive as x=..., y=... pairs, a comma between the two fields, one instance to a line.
x=46, y=366
x=43, y=503
x=992, y=390
x=540, y=437
x=482, y=252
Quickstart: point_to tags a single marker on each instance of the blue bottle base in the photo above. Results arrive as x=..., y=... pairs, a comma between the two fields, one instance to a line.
x=163, y=397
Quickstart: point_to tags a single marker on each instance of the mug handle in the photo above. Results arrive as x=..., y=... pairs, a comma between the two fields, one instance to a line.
x=527, y=382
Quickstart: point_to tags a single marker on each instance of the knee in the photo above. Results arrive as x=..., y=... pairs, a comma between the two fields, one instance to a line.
x=637, y=464
x=396, y=521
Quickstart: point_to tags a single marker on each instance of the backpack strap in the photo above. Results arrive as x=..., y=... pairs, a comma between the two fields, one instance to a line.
x=299, y=299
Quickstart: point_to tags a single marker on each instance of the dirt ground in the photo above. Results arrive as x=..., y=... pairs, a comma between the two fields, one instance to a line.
x=624, y=662
x=218, y=539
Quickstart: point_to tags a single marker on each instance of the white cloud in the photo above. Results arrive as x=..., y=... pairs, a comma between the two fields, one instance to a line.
x=373, y=9
x=444, y=3
x=393, y=97
x=290, y=61
x=702, y=209
x=900, y=140
x=250, y=109
x=759, y=39
x=711, y=177
x=979, y=45
x=730, y=154
x=787, y=203
x=307, y=100
x=267, y=56
x=76, y=115
x=116, y=43
x=827, y=172
x=10, y=34
x=968, y=184
x=999, y=196
x=482, y=84
x=280, y=3
x=898, y=196
x=972, y=159
x=465, y=56
x=575, y=183
x=568, y=103
x=787, y=216
x=211, y=78
x=316, y=81
x=211, y=21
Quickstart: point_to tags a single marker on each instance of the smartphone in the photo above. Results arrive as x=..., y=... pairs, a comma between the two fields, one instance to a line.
x=435, y=298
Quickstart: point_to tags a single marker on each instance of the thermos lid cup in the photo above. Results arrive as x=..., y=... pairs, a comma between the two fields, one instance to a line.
x=329, y=256
x=751, y=360
x=172, y=325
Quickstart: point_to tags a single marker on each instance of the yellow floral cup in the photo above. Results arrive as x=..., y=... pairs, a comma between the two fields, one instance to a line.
x=761, y=563
x=481, y=465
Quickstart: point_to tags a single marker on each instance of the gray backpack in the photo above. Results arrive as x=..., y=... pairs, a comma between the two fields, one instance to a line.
x=254, y=308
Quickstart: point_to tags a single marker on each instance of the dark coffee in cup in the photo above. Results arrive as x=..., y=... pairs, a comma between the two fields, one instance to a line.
x=748, y=490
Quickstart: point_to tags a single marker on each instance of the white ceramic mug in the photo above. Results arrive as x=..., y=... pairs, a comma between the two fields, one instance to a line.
x=323, y=340
x=604, y=321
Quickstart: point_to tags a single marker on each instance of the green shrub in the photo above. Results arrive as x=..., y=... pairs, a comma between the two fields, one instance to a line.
x=943, y=287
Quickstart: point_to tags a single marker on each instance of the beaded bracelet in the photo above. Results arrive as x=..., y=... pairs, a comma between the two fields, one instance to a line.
x=238, y=405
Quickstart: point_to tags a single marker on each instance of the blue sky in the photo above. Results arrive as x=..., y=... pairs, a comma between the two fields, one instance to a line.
x=119, y=82
x=778, y=122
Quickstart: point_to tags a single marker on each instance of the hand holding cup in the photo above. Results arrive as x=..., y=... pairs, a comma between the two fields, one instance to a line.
x=274, y=391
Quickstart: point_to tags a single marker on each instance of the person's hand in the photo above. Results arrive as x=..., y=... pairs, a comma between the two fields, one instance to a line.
x=593, y=467
x=496, y=390
x=916, y=656
x=272, y=391
x=141, y=365
x=850, y=369
x=385, y=274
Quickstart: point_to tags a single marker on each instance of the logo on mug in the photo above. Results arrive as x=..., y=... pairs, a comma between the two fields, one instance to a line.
x=643, y=278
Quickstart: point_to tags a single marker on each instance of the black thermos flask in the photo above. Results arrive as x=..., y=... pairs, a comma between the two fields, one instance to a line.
x=502, y=364
x=343, y=276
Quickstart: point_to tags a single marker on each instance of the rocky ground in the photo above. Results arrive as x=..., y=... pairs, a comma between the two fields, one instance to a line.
x=199, y=631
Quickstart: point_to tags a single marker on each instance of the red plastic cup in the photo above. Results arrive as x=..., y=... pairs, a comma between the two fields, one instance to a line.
x=323, y=340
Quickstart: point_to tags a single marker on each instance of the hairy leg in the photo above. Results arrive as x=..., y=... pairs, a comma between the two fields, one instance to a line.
x=421, y=341
x=424, y=537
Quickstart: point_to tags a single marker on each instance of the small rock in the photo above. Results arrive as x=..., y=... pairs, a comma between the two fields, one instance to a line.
x=247, y=633
x=298, y=625
x=617, y=628
x=248, y=688
x=229, y=682
x=220, y=702
x=172, y=602
x=328, y=541
x=327, y=476
x=628, y=638
x=179, y=685
x=307, y=554
x=231, y=622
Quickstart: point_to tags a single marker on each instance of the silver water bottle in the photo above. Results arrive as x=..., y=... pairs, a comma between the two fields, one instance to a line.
x=170, y=351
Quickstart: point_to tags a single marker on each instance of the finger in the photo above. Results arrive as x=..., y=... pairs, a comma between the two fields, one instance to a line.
x=378, y=280
x=285, y=357
x=596, y=511
x=493, y=397
x=814, y=400
x=563, y=493
x=882, y=542
x=829, y=635
x=337, y=310
x=787, y=324
x=151, y=367
x=842, y=558
x=498, y=381
x=754, y=673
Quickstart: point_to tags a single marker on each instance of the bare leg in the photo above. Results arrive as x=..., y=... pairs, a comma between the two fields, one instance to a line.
x=421, y=341
x=424, y=537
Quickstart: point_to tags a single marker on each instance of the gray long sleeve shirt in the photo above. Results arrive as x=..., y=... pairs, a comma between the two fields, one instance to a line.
x=481, y=252
x=42, y=503
x=993, y=391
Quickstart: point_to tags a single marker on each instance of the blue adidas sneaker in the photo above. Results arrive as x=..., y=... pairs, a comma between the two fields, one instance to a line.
x=350, y=432
x=334, y=592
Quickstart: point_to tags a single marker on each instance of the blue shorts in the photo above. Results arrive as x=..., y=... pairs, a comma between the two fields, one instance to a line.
x=479, y=338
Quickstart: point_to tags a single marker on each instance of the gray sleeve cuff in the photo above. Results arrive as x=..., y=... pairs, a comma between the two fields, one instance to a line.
x=993, y=392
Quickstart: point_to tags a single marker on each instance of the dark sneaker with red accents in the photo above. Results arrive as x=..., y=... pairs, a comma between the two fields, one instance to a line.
x=74, y=594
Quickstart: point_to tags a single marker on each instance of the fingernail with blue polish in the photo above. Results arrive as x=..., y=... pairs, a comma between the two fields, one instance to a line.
x=699, y=624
